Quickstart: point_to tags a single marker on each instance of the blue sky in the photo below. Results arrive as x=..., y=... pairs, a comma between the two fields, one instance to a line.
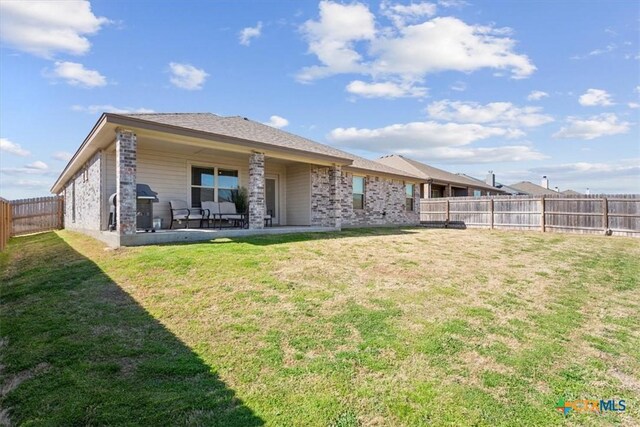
x=523, y=88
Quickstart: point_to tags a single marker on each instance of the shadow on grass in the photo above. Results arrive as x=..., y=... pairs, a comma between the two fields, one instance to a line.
x=277, y=239
x=78, y=350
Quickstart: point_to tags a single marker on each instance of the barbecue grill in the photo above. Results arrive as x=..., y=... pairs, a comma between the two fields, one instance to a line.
x=145, y=198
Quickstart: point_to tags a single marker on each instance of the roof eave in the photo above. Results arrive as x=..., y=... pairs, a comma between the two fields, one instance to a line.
x=183, y=131
x=57, y=185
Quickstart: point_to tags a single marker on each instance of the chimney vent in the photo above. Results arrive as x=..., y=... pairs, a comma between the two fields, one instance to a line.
x=545, y=182
x=491, y=179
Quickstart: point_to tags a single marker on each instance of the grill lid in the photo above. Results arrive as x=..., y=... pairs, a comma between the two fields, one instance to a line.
x=143, y=191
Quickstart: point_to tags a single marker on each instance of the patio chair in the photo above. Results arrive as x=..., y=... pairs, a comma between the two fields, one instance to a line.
x=228, y=212
x=211, y=212
x=268, y=217
x=181, y=212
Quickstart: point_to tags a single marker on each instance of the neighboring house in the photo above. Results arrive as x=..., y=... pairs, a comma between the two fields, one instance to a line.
x=570, y=193
x=531, y=189
x=197, y=157
x=491, y=180
x=438, y=182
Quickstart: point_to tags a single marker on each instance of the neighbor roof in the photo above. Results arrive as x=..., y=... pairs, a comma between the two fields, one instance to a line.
x=429, y=172
x=532, y=189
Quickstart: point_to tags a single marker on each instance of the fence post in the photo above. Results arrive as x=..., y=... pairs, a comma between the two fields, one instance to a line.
x=605, y=214
x=448, y=217
x=491, y=209
x=542, y=219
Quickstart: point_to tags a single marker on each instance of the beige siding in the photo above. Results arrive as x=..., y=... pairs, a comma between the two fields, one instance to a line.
x=168, y=174
x=298, y=194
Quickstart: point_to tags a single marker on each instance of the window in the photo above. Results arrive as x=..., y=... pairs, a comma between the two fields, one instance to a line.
x=358, y=192
x=408, y=189
x=210, y=184
x=477, y=193
x=227, y=183
x=202, y=185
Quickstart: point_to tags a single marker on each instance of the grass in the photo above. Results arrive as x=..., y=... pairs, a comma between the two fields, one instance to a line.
x=364, y=327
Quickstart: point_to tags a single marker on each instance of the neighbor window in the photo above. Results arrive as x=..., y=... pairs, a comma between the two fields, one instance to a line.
x=408, y=188
x=477, y=193
x=210, y=184
x=358, y=192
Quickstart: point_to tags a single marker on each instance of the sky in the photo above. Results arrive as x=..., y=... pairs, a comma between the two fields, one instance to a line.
x=521, y=88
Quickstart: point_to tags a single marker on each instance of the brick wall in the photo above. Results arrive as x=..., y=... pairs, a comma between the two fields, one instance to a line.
x=385, y=202
x=87, y=197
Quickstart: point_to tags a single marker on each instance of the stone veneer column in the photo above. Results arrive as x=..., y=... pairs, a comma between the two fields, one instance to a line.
x=256, y=190
x=335, y=196
x=126, y=149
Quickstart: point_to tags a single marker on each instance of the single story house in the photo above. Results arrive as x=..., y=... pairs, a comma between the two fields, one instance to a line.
x=197, y=157
x=491, y=180
x=438, y=182
x=531, y=189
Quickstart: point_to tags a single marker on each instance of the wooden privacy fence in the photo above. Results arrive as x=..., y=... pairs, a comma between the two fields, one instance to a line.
x=5, y=223
x=36, y=215
x=594, y=214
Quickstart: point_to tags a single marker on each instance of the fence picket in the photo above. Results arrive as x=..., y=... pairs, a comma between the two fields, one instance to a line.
x=579, y=214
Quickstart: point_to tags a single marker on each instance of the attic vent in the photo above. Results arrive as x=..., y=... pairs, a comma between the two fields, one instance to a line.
x=245, y=118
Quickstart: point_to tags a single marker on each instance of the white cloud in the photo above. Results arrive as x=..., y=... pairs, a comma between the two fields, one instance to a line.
x=496, y=113
x=471, y=155
x=77, y=75
x=447, y=44
x=385, y=90
x=277, y=122
x=417, y=135
x=401, y=14
x=12, y=148
x=595, y=97
x=63, y=156
x=633, y=105
x=459, y=86
x=186, y=76
x=108, y=108
x=37, y=165
x=637, y=89
x=594, y=127
x=406, y=52
x=537, y=95
x=248, y=33
x=45, y=28
x=452, y=3
x=333, y=36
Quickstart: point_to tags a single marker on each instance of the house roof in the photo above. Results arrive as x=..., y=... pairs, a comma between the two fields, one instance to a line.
x=570, y=193
x=233, y=130
x=250, y=130
x=532, y=189
x=427, y=172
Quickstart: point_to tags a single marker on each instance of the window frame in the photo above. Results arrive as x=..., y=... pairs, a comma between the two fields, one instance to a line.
x=363, y=194
x=215, y=187
x=409, y=206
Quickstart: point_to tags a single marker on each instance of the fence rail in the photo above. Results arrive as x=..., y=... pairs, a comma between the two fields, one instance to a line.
x=36, y=215
x=587, y=214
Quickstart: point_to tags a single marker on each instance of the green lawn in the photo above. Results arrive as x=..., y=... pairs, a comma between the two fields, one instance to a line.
x=364, y=327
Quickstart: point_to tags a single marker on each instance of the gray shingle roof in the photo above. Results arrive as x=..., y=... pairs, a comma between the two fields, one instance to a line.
x=249, y=130
x=532, y=189
x=429, y=172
